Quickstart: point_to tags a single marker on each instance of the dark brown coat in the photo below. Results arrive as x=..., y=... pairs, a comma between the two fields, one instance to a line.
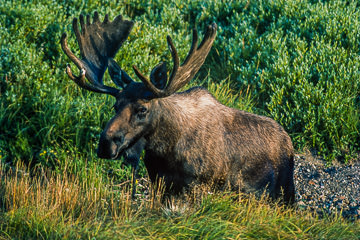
x=189, y=137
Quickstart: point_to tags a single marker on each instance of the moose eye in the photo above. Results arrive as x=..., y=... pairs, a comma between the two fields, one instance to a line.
x=141, y=112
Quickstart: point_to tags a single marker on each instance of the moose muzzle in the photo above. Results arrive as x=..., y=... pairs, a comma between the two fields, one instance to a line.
x=110, y=148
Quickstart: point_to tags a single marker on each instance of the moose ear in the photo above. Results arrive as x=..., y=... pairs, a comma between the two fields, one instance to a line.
x=158, y=76
x=119, y=76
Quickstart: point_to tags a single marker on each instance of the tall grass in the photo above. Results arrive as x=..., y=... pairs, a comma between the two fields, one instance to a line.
x=42, y=204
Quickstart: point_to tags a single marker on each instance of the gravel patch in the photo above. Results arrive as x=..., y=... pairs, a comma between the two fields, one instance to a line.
x=327, y=189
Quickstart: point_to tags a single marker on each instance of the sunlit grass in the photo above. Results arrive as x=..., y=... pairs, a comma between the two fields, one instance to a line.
x=45, y=205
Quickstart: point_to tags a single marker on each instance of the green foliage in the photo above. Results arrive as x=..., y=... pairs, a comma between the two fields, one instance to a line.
x=295, y=61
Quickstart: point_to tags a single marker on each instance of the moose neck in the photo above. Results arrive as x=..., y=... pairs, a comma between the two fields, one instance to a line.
x=179, y=115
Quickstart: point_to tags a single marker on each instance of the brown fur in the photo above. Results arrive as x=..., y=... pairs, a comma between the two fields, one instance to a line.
x=191, y=138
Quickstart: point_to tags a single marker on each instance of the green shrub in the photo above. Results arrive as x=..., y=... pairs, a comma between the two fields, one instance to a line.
x=295, y=61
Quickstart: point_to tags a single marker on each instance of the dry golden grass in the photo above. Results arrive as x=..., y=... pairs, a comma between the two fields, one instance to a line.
x=46, y=205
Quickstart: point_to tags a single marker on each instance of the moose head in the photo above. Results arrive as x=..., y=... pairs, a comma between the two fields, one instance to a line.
x=137, y=103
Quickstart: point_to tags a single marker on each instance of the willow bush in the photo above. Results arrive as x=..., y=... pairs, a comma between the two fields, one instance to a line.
x=295, y=61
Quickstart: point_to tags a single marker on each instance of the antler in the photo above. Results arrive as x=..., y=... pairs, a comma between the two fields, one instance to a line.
x=98, y=43
x=181, y=75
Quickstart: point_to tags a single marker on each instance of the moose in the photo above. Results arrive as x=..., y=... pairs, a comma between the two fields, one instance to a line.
x=189, y=138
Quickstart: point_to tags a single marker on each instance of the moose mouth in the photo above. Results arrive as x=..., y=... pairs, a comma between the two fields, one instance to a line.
x=121, y=151
x=110, y=150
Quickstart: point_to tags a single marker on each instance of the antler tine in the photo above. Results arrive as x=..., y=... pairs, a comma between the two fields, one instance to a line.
x=193, y=45
x=148, y=84
x=181, y=75
x=80, y=80
x=69, y=53
x=106, y=19
x=96, y=17
x=82, y=24
x=175, y=58
x=75, y=26
x=88, y=20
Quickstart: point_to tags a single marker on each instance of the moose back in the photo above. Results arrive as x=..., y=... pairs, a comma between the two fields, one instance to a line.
x=189, y=137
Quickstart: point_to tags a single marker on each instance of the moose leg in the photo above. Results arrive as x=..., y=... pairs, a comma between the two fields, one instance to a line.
x=132, y=157
x=285, y=187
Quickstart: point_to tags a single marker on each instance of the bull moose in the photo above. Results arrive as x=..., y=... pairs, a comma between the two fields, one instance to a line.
x=189, y=137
